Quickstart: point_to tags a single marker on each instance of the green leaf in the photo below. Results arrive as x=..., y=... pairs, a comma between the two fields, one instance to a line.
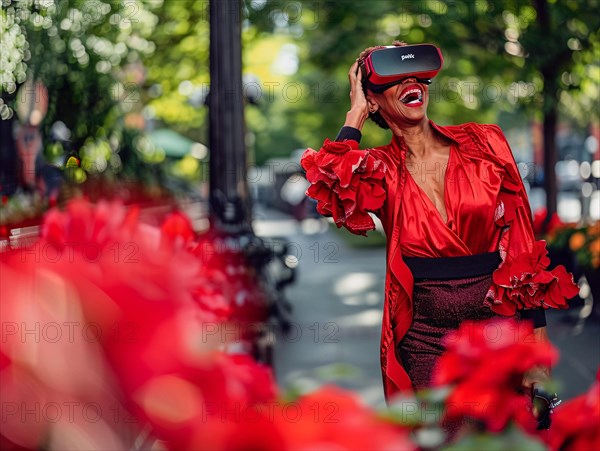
x=72, y=162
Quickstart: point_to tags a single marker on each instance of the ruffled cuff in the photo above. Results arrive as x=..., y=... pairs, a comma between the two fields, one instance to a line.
x=346, y=183
x=525, y=283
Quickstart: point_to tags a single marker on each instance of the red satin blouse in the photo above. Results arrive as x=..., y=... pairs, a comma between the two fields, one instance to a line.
x=470, y=206
x=487, y=211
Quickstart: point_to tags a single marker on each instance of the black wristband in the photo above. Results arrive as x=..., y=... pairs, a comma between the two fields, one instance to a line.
x=349, y=133
x=537, y=316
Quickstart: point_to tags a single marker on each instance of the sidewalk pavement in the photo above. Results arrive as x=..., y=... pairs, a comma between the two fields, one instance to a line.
x=338, y=299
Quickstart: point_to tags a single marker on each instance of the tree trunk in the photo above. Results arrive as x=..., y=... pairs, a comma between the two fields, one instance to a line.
x=550, y=157
x=9, y=165
x=549, y=75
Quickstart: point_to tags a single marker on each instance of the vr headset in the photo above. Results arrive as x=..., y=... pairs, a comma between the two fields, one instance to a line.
x=387, y=67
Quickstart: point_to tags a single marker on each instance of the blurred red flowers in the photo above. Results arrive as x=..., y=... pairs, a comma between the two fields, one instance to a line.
x=327, y=419
x=117, y=331
x=575, y=426
x=484, y=365
x=538, y=222
x=345, y=182
x=121, y=313
x=334, y=419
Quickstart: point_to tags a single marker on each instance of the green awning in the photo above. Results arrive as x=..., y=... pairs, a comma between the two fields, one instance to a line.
x=174, y=144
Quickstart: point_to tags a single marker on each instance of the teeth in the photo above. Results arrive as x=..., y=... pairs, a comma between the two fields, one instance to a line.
x=408, y=93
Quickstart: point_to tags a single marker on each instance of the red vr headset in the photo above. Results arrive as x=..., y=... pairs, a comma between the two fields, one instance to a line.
x=387, y=67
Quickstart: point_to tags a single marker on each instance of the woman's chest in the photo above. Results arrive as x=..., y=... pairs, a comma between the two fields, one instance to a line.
x=469, y=194
x=429, y=177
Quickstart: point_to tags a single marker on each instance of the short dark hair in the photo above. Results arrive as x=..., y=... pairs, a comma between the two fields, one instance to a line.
x=376, y=116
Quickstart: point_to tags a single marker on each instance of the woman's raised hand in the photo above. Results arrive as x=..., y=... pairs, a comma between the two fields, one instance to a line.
x=359, y=108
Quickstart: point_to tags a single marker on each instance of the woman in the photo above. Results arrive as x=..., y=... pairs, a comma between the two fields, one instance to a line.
x=454, y=209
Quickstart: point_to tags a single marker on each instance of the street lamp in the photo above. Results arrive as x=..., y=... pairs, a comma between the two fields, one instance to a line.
x=229, y=196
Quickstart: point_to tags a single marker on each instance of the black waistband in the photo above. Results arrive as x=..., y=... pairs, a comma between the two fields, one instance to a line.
x=447, y=268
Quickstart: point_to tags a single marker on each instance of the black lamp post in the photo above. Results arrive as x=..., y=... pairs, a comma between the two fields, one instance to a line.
x=229, y=196
x=230, y=206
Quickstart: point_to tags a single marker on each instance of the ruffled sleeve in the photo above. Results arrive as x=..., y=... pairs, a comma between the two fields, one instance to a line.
x=522, y=281
x=346, y=182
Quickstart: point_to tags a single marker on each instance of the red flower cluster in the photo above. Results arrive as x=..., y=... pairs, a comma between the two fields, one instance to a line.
x=123, y=318
x=346, y=183
x=335, y=419
x=229, y=287
x=128, y=316
x=575, y=426
x=327, y=419
x=110, y=325
x=538, y=222
x=485, y=363
x=177, y=227
x=524, y=283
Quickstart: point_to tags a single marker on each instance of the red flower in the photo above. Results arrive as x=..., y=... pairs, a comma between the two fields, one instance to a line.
x=148, y=310
x=155, y=307
x=331, y=418
x=538, y=222
x=207, y=405
x=177, y=227
x=524, y=283
x=86, y=224
x=346, y=183
x=575, y=422
x=4, y=360
x=228, y=287
x=59, y=366
x=485, y=363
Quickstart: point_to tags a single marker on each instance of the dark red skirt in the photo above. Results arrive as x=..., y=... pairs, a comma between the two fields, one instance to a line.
x=447, y=291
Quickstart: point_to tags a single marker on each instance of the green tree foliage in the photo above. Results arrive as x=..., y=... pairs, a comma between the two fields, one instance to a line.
x=177, y=70
x=497, y=56
x=107, y=59
x=81, y=51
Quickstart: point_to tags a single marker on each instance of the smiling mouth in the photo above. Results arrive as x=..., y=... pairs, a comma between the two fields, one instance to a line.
x=412, y=96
